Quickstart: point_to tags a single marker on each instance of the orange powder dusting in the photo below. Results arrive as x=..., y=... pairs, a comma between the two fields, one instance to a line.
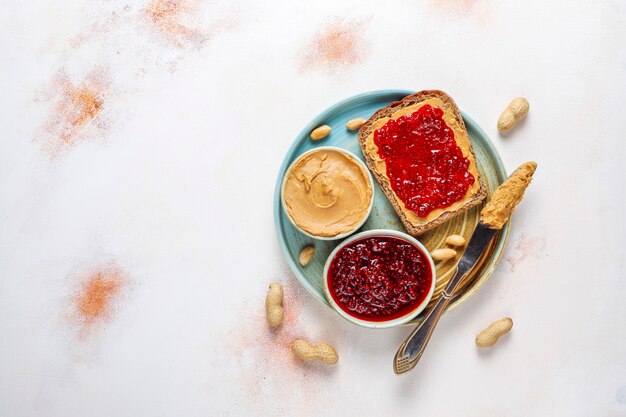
x=97, y=29
x=266, y=368
x=95, y=300
x=338, y=45
x=170, y=18
x=77, y=109
x=478, y=12
x=83, y=103
x=453, y=6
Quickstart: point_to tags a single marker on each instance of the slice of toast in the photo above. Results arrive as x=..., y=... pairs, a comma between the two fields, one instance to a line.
x=414, y=224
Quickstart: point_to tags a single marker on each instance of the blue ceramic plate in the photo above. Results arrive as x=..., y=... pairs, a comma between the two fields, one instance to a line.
x=383, y=216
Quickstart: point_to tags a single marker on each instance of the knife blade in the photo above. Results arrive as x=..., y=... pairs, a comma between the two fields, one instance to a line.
x=493, y=217
x=413, y=348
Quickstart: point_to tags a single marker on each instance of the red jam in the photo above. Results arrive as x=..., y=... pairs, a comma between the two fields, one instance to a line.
x=426, y=168
x=379, y=278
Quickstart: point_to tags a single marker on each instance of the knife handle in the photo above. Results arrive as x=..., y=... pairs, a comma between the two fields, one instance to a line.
x=415, y=344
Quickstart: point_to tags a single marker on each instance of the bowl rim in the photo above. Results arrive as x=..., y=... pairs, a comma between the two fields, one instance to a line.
x=355, y=159
x=387, y=323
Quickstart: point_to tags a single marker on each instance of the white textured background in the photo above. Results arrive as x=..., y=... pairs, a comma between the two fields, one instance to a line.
x=173, y=180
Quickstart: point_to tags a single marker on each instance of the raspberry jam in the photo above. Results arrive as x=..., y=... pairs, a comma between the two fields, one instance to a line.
x=426, y=168
x=379, y=278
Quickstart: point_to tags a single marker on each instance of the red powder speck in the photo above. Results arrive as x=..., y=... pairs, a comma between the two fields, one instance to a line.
x=525, y=248
x=339, y=45
x=77, y=109
x=170, y=18
x=95, y=300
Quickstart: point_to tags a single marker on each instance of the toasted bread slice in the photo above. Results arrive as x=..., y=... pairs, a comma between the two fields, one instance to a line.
x=414, y=224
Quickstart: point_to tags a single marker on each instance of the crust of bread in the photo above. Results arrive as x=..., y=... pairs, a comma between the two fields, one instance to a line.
x=381, y=177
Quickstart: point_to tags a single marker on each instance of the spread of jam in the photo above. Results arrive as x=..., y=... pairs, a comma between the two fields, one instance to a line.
x=426, y=168
x=379, y=278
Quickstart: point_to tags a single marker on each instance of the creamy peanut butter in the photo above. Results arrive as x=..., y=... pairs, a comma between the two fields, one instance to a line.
x=327, y=193
x=508, y=195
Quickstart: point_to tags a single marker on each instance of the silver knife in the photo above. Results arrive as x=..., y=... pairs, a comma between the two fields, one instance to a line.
x=492, y=218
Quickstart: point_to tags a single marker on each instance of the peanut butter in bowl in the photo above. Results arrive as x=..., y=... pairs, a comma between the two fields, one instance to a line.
x=327, y=193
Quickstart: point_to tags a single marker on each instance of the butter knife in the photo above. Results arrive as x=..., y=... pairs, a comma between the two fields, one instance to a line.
x=492, y=218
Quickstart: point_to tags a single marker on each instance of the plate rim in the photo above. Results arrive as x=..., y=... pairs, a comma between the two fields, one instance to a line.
x=302, y=135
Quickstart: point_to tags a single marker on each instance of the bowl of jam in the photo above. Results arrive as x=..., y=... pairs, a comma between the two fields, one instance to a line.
x=379, y=278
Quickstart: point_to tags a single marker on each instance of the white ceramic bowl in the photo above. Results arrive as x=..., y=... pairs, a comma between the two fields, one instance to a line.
x=351, y=156
x=388, y=323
